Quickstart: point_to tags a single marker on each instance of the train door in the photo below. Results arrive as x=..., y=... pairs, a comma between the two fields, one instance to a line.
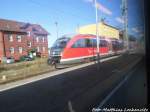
x=103, y=47
x=89, y=48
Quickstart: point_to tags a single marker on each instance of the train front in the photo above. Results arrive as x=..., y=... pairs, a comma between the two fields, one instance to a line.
x=57, y=49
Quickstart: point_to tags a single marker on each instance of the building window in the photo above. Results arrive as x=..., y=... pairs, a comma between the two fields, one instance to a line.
x=38, y=49
x=10, y=37
x=29, y=44
x=37, y=39
x=43, y=49
x=20, y=50
x=11, y=50
x=29, y=33
x=19, y=38
x=43, y=39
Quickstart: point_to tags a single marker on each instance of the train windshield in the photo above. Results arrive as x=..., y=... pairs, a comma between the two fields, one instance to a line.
x=61, y=43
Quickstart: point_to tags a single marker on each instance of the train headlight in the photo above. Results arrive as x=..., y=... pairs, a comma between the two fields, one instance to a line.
x=53, y=53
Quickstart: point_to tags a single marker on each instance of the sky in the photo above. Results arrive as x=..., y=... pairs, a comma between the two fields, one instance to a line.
x=71, y=14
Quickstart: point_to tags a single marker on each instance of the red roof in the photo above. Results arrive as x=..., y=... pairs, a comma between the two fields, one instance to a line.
x=36, y=29
x=9, y=25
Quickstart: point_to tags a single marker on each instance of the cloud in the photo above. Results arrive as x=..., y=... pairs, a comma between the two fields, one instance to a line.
x=100, y=7
x=120, y=20
x=89, y=1
x=137, y=29
x=104, y=9
x=141, y=35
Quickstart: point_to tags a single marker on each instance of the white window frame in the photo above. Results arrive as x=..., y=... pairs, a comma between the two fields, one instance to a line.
x=43, y=39
x=20, y=49
x=12, y=50
x=37, y=39
x=38, y=49
x=29, y=33
x=29, y=44
x=18, y=38
x=10, y=36
x=44, y=49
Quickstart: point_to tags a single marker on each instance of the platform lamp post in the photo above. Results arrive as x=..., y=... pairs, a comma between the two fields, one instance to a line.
x=56, y=23
x=97, y=36
x=125, y=17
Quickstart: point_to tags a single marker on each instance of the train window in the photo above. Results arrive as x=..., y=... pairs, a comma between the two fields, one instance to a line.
x=103, y=43
x=94, y=43
x=88, y=42
x=117, y=45
x=79, y=44
x=60, y=43
x=120, y=45
x=114, y=44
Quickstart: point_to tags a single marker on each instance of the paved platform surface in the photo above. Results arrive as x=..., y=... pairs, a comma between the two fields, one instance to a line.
x=133, y=93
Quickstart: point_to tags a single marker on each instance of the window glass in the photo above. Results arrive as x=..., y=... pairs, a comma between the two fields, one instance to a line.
x=38, y=49
x=61, y=43
x=29, y=33
x=12, y=50
x=10, y=37
x=103, y=43
x=43, y=39
x=79, y=43
x=120, y=44
x=37, y=39
x=114, y=44
x=18, y=38
x=88, y=42
x=94, y=42
x=43, y=49
x=29, y=44
x=20, y=49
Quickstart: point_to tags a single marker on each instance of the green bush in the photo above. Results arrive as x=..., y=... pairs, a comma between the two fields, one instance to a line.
x=22, y=58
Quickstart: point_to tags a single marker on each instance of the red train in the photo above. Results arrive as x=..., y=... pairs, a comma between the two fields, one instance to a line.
x=82, y=47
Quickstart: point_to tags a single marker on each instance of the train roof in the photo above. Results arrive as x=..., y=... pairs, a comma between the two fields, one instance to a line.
x=73, y=35
x=70, y=36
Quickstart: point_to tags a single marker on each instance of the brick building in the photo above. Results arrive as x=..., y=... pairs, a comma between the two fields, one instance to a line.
x=18, y=39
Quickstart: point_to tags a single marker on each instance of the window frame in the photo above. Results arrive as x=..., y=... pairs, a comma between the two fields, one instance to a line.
x=29, y=44
x=12, y=50
x=37, y=39
x=43, y=49
x=20, y=50
x=38, y=49
x=43, y=39
x=18, y=38
x=29, y=33
x=10, y=37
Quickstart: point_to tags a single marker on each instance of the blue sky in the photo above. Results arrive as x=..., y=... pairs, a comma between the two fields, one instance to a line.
x=69, y=14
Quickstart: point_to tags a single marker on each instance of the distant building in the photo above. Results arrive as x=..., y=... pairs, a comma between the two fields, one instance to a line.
x=18, y=39
x=104, y=30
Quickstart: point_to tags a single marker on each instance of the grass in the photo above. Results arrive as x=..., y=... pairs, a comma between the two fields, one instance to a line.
x=21, y=70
